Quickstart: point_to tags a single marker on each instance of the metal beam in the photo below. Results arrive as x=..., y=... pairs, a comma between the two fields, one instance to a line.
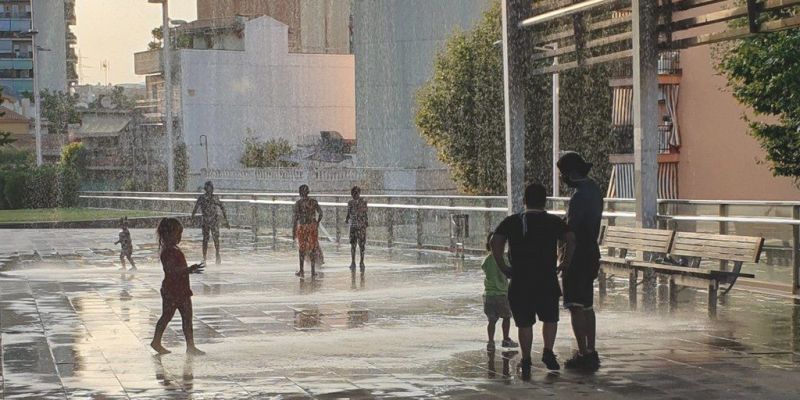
x=514, y=63
x=564, y=12
x=645, y=111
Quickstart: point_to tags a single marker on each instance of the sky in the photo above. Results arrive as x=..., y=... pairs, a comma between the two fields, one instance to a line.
x=115, y=29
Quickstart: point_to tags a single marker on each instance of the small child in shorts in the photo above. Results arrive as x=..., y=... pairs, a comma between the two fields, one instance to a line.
x=495, y=299
x=126, y=250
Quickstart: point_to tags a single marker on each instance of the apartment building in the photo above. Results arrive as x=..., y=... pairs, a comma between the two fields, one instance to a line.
x=47, y=23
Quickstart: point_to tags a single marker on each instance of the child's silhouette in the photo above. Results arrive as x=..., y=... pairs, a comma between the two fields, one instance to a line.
x=175, y=291
x=126, y=251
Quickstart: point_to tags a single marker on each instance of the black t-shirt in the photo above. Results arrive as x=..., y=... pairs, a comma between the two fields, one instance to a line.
x=533, y=246
x=584, y=217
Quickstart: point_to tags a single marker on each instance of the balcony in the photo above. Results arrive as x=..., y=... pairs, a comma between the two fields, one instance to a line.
x=69, y=13
x=147, y=62
x=71, y=54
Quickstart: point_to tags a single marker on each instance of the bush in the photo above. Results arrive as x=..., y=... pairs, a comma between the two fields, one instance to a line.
x=14, y=189
x=11, y=158
x=74, y=155
x=267, y=154
x=42, y=187
x=69, y=183
x=3, y=205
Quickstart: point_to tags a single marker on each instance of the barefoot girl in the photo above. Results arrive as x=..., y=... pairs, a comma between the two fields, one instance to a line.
x=175, y=291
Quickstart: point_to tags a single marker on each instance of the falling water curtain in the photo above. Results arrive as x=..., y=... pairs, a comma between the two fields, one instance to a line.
x=670, y=95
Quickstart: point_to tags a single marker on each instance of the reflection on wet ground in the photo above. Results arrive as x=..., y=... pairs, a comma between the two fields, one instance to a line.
x=73, y=326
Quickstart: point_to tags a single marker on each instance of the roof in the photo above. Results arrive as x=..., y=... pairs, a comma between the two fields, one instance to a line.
x=12, y=116
x=103, y=125
x=211, y=24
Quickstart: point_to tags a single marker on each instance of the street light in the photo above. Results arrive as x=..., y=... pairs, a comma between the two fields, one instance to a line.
x=167, y=71
x=36, y=100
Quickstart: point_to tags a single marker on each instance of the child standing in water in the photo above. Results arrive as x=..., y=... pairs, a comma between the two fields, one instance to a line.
x=495, y=299
x=175, y=291
x=357, y=218
x=127, y=244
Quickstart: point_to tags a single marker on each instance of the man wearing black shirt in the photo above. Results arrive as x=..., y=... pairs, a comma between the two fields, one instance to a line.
x=532, y=238
x=583, y=217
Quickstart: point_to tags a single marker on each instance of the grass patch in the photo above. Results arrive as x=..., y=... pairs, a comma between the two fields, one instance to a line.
x=69, y=214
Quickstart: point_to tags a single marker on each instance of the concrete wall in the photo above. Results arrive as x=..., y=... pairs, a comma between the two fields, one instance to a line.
x=315, y=26
x=48, y=19
x=325, y=26
x=394, y=43
x=719, y=159
x=263, y=92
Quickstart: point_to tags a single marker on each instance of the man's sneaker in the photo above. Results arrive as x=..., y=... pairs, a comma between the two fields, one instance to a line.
x=353, y=266
x=549, y=360
x=593, y=360
x=525, y=365
x=577, y=361
x=508, y=343
x=490, y=345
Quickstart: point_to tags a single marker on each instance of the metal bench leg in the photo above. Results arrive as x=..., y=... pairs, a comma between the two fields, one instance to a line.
x=601, y=284
x=713, y=288
x=663, y=289
x=632, y=283
x=673, y=295
x=649, y=294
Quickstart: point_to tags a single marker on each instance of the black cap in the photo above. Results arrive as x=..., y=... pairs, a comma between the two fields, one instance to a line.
x=571, y=161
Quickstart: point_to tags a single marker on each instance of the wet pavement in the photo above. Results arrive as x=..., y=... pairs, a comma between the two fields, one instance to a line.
x=412, y=326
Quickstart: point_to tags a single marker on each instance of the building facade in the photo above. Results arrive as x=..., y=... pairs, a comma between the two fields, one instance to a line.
x=51, y=19
x=315, y=26
x=395, y=42
x=251, y=89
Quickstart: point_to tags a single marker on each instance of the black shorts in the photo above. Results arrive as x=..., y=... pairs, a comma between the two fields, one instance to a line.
x=579, y=285
x=358, y=235
x=528, y=303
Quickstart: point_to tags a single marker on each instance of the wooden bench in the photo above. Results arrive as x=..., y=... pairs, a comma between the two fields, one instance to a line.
x=621, y=242
x=691, y=247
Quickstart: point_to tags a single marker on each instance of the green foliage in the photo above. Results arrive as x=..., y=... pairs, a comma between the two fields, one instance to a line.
x=14, y=189
x=11, y=158
x=460, y=112
x=74, y=155
x=763, y=72
x=59, y=108
x=181, y=166
x=42, y=187
x=266, y=154
x=3, y=205
x=5, y=138
x=69, y=185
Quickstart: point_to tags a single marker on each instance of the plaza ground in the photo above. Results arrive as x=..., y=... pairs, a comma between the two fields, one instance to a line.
x=74, y=326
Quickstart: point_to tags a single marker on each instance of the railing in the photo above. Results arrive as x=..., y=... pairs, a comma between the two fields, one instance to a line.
x=424, y=221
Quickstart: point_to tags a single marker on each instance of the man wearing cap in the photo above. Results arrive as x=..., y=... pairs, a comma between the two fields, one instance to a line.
x=583, y=217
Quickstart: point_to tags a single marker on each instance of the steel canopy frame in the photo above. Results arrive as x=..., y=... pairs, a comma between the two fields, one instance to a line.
x=649, y=27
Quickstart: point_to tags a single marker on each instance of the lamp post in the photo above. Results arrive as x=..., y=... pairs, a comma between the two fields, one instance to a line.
x=37, y=114
x=167, y=71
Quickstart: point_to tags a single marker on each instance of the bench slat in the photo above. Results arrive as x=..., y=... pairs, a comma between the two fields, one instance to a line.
x=651, y=240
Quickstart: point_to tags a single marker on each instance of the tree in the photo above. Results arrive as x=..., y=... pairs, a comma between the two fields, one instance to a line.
x=75, y=155
x=5, y=138
x=59, y=108
x=460, y=112
x=763, y=72
x=158, y=38
x=267, y=154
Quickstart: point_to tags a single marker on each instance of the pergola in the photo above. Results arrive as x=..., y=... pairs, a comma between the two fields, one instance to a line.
x=599, y=31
